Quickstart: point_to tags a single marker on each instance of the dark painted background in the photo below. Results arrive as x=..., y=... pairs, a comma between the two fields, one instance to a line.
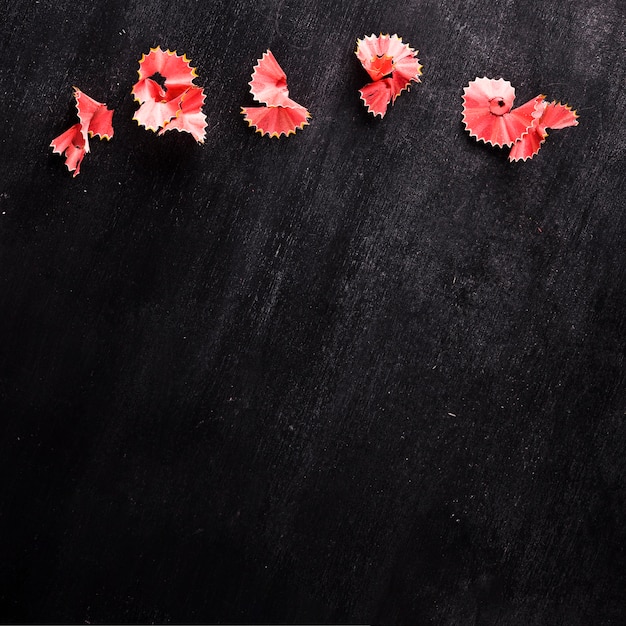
x=371, y=373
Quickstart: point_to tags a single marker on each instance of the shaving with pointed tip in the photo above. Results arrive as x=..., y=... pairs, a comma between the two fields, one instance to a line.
x=167, y=95
x=95, y=120
x=392, y=65
x=279, y=114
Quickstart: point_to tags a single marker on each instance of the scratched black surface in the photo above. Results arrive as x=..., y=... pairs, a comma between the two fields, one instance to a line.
x=373, y=373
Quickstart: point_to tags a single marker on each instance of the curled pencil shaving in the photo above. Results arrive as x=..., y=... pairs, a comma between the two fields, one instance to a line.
x=167, y=94
x=279, y=115
x=488, y=114
x=391, y=64
x=95, y=121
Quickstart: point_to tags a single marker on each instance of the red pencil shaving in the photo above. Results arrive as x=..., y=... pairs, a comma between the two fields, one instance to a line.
x=489, y=116
x=279, y=115
x=392, y=66
x=95, y=121
x=168, y=97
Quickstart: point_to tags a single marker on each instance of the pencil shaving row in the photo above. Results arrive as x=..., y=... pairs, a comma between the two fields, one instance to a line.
x=170, y=100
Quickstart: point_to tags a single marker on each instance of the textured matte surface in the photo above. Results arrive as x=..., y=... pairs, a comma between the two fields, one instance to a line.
x=372, y=373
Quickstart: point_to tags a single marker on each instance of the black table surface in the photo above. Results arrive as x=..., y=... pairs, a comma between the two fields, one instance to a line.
x=371, y=373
